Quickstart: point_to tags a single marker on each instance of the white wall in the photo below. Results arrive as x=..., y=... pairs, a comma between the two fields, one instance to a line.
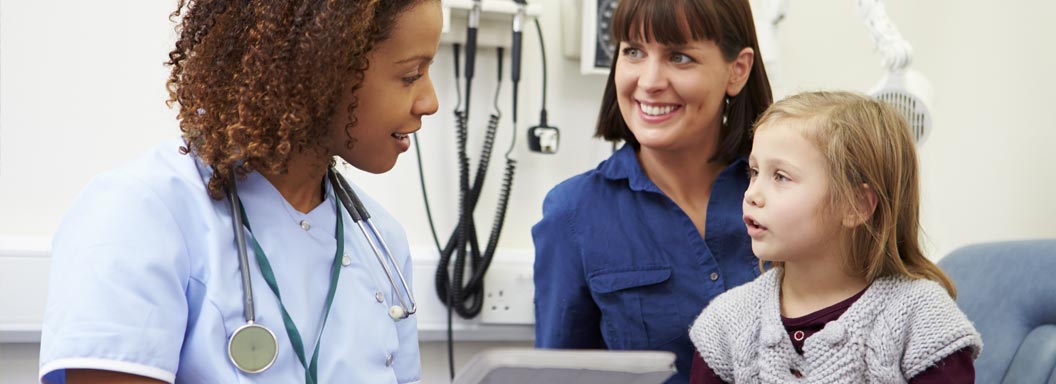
x=82, y=90
x=988, y=167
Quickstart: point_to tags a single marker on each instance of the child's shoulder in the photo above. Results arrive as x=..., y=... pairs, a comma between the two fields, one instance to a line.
x=751, y=294
x=919, y=302
x=739, y=305
x=932, y=326
x=731, y=322
x=919, y=295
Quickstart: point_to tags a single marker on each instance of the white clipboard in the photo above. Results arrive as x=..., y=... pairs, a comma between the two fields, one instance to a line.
x=549, y=366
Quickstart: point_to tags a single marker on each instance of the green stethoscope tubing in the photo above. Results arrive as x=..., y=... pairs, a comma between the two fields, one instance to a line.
x=253, y=348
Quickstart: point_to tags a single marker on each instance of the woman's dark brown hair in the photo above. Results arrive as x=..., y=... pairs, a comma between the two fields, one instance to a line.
x=674, y=22
x=258, y=81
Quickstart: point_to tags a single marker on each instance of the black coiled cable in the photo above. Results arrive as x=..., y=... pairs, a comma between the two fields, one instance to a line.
x=500, y=211
x=465, y=295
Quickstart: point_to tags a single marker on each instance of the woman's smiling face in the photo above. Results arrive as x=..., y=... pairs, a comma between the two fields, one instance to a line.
x=672, y=96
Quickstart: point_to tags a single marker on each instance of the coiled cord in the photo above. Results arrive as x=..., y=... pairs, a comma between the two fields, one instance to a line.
x=466, y=295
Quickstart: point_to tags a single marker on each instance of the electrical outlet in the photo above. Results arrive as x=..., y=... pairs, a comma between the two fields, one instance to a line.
x=509, y=294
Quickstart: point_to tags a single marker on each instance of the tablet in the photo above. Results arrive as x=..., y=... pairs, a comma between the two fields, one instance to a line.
x=551, y=366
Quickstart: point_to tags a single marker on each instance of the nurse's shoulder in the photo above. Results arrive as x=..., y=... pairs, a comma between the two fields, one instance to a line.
x=173, y=176
x=121, y=262
x=157, y=197
x=163, y=173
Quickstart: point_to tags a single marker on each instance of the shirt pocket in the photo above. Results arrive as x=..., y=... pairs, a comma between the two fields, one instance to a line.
x=638, y=308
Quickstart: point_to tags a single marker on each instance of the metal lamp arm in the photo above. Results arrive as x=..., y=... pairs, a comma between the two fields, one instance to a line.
x=897, y=53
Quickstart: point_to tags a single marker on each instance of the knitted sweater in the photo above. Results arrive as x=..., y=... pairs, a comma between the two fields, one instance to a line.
x=896, y=330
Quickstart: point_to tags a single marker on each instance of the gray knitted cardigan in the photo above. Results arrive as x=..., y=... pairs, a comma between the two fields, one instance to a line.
x=898, y=328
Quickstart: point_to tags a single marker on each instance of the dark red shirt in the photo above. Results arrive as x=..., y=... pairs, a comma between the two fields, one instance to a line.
x=958, y=367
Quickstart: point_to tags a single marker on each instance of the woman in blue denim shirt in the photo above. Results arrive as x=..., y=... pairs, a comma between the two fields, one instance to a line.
x=629, y=253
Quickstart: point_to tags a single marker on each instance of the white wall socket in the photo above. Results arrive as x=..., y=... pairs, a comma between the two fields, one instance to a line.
x=509, y=294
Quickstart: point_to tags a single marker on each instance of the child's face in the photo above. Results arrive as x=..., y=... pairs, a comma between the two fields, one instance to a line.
x=786, y=204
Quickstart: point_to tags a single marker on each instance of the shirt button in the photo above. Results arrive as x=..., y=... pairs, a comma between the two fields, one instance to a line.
x=714, y=276
x=388, y=360
x=346, y=260
x=378, y=296
x=305, y=225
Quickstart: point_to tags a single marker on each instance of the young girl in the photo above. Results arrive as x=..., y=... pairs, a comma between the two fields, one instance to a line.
x=833, y=206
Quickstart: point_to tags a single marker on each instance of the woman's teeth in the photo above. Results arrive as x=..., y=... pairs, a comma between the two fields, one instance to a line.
x=399, y=136
x=656, y=110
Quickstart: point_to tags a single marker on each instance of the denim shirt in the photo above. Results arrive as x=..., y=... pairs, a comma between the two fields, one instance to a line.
x=619, y=265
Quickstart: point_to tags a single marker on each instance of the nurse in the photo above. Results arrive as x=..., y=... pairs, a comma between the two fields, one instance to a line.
x=146, y=283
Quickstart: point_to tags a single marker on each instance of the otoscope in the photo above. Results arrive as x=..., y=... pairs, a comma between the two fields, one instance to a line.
x=515, y=54
x=471, y=52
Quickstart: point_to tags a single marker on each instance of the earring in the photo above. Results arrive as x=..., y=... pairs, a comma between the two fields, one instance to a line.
x=725, y=110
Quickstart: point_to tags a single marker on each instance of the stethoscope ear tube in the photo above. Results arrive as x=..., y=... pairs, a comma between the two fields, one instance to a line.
x=347, y=196
x=344, y=192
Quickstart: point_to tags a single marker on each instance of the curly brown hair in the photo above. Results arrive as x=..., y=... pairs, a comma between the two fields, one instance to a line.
x=258, y=81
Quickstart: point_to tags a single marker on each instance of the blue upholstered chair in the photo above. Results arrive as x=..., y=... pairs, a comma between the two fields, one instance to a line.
x=1008, y=290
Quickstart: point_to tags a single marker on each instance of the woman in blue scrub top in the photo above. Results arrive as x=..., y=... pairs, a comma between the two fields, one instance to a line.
x=145, y=282
x=629, y=253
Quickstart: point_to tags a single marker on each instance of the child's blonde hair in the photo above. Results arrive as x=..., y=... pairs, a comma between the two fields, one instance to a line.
x=864, y=141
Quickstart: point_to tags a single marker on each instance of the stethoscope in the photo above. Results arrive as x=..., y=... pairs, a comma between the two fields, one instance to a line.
x=253, y=348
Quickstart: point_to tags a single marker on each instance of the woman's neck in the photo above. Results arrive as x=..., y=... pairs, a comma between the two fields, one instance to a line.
x=685, y=177
x=817, y=283
x=302, y=183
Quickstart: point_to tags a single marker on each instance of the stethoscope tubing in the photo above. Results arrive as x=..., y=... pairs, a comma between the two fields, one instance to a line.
x=361, y=217
x=347, y=197
x=248, y=311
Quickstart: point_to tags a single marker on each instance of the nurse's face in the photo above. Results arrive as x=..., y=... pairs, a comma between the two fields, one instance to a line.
x=396, y=92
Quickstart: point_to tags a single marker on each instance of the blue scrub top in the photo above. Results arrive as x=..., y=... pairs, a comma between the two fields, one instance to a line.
x=619, y=265
x=145, y=280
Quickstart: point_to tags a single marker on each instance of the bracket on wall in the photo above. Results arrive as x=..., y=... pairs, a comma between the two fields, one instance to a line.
x=496, y=16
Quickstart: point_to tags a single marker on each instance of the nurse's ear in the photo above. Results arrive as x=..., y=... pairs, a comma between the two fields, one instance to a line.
x=739, y=69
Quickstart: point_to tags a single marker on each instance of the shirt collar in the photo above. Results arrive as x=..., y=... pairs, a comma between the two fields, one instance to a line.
x=624, y=165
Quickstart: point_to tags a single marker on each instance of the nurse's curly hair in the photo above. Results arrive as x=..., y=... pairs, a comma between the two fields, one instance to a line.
x=257, y=81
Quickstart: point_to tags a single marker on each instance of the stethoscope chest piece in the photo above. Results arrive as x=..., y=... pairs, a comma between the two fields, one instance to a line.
x=253, y=348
